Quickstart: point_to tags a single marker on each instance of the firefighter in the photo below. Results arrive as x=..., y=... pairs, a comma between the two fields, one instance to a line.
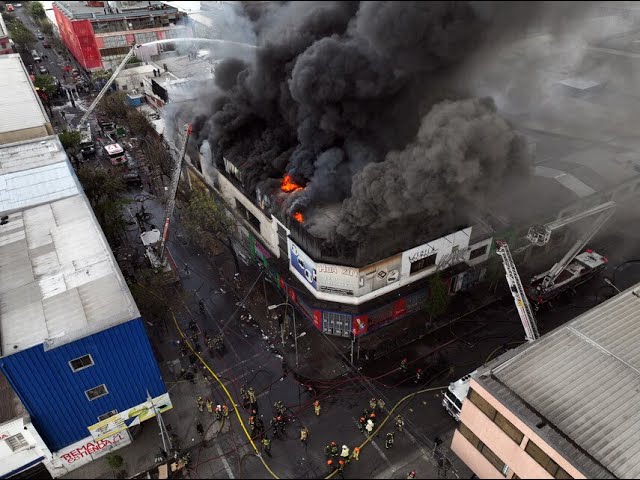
x=361, y=424
x=372, y=417
x=280, y=423
x=259, y=426
x=200, y=429
x=209, y=344
x=266, y=443
x=194, y=337
x=245, y=395
x=412, y=474
x=193, y=326
x=341, y=464
x=274, y=425
x=418, y=376
x=209, y=406
x=404, y=364
x=334, y=449
x=200, y=404
x=369, y=426
x=316, y=407
x=201, y=306
x=373, y=403
x=356, y=453
x=252, y=423
x=189, y=376
x=304, y=434
x=218, y=412
x=399, y=423
x=225, y=411
x=252, y=395
x=345, y=453
x=279, y=407
x=381, y=404
x=389, y=442
x=197, y=347
x=183, y=350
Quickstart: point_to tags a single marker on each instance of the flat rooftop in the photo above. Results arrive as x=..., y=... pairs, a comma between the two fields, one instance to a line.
x=20, y=106
x=58, y=278
x=80, y=11
x=582, y=381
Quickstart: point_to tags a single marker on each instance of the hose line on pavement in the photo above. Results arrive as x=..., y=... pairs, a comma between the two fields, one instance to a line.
x=220, y=382
x=382, y=424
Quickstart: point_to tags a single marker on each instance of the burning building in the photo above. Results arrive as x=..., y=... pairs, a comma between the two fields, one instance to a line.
x=361, y=164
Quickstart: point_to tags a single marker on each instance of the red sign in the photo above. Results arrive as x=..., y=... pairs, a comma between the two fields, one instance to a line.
x=399, y=308
x=292, y=295
x=317, y=319
x=360, y=325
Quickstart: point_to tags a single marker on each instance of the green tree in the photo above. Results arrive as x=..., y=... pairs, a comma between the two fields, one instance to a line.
x=8, y=18
x=206, y=222
x=438, y=301
x=46, y=83
x=21, y=35
x=114, y=107
x=70, y=139
x=45, y=26
x=105, y=190
x=36, y=10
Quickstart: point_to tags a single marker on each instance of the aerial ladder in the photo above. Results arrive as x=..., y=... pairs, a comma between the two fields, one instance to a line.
x=517, y=290
x=173, y=190
x=540, y=235
x=104, y=90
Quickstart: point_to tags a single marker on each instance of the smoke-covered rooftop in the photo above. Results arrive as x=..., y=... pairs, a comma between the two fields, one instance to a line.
x=388, y=112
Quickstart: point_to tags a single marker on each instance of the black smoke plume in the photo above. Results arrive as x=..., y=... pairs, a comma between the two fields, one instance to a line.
x=347, y=98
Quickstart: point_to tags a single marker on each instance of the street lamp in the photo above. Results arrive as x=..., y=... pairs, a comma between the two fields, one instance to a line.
x=295, y=333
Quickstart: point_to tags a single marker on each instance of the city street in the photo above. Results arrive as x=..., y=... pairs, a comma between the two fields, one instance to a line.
x=256, y=356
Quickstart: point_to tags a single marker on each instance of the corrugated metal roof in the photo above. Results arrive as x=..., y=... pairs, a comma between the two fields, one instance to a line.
x=58, y=278
x=19, y=103
x=584, y=378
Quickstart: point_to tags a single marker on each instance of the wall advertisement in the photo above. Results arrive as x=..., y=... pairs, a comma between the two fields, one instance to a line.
x=412, y=264
x=133, y=416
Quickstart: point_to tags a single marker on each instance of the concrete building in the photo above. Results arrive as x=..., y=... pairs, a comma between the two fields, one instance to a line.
x=72, y=344
x=100, y=34
x=23, y=115
x=564, y=406
x=5, y=42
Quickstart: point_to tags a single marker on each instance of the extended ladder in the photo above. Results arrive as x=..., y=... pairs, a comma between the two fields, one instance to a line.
x=517, y=290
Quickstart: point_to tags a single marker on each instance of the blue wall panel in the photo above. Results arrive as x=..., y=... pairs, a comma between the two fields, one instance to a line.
x=54, y=395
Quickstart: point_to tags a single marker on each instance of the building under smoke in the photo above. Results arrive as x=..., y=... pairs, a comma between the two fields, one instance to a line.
x=354, y=152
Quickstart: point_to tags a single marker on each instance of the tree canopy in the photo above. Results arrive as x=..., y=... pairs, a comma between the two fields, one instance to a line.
x=21, y=34
x=70, y=139
x=46, y=83
x=36, y=10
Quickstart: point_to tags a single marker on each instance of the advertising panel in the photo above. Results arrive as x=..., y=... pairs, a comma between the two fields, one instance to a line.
x=84, y=451
x=133, y=416
x=379, y=275
x=337, y=279
x=302, y=264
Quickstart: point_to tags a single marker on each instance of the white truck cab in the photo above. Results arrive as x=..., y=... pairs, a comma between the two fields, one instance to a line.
x=455, y=395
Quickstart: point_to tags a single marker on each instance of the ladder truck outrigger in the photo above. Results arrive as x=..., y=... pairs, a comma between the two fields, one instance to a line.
x=572, y=270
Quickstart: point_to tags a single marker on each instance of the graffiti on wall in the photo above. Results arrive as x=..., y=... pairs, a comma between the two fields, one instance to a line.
x=92, y=447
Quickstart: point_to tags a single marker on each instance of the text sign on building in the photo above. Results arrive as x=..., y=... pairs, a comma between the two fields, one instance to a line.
x=133, y=416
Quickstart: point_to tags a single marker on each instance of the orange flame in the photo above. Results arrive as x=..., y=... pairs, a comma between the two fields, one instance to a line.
x=288, y=185
x=298, y=217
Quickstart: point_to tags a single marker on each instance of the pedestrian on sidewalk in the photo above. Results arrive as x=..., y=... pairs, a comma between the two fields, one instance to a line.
x=304, y=434
x=356, y=453
x=316, y=407
x=389, y=442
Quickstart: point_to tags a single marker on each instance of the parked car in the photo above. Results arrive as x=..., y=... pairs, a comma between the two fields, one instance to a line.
x=18, y=5
x=42, y=69
x=46, y=44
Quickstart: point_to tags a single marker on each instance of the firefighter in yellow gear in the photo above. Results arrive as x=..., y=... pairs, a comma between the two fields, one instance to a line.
x=209, y=406
x=355, y=454
x=200, y=404
x=316, y=407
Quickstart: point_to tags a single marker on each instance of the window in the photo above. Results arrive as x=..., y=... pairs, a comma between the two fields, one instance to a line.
x=96, y=392
x=109, y=414
x=545, y=461
x=253, y=220
x=478, y=252
x=16, y=442
x=114, y=41
x=423, y=263
x=505, y=425
x=482, y=448
x=81, y=363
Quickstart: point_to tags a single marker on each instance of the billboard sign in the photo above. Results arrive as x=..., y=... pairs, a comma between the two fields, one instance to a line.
x=303, y=265
x=133, y=416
